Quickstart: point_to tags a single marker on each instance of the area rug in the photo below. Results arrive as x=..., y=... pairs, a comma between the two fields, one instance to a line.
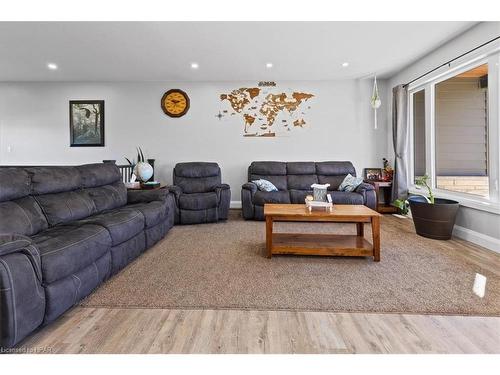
x=223, y=266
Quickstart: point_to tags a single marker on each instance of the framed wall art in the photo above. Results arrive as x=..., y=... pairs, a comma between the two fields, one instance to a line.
x=374, y=174
x=86, y=123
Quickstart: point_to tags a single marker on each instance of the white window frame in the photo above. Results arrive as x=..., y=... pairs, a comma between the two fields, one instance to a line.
x=492, y=58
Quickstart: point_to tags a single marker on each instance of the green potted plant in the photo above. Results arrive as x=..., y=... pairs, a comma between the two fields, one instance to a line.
x=403, y=206
x=433, y=217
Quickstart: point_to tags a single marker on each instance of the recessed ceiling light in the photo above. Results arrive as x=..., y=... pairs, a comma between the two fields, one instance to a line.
x=269, y=65
x=52, y=66
x=345, y=64
x=194, y=65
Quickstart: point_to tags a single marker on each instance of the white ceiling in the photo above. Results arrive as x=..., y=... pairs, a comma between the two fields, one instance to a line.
x=225, y=51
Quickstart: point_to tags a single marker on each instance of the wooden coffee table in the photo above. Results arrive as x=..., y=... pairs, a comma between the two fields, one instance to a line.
x=323, y=244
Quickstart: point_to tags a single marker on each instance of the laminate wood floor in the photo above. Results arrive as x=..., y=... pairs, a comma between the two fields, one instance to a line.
x=103, y=330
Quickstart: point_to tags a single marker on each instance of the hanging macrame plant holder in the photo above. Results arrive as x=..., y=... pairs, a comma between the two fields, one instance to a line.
x=375, y=101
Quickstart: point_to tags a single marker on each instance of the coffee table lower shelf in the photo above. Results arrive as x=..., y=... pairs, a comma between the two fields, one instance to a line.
x=320, y=244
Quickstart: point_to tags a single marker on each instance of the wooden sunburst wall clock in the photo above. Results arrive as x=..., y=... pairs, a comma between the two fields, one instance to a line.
x=175, y=103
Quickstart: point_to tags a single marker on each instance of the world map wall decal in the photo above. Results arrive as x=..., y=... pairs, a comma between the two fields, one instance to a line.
x=266, y=111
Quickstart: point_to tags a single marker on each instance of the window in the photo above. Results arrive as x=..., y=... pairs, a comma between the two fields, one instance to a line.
x=455, y=127
x=461, y=129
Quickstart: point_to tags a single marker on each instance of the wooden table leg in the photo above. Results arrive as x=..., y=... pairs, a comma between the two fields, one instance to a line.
x=377, y=196
x=360, y=229
x=269, y=236
x=376, y=238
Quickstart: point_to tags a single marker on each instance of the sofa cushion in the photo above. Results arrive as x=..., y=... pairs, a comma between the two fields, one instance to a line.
x=198, y=201
x=299, y=196
x=14, y=183
x=301, y=167
x=273, y=171
x=210, y=215
x=334, y=181
x=198, y=184
x=197, y=177
x=66, y=292
x=98, y=174
x=154, y=212
x=22, y=216
x=276, y=168
x=46, y=180
x=108, y=197
x=262, y=197
x=196, y=169
x=345, y=197
x=127, y=251
x=66, y=249
x=66, y=207
x=301, y=182
x=122, y=224
x=335, y=168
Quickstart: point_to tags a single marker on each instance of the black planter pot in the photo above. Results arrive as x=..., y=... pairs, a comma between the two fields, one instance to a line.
x=433, y=220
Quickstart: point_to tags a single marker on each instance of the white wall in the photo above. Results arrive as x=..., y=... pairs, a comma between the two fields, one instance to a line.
x=34, y=123
x=482, y=222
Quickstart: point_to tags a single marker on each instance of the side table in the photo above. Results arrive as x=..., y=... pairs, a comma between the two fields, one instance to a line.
x=383, y=191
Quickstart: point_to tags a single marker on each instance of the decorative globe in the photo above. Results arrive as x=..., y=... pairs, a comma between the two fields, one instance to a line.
x=143, y=170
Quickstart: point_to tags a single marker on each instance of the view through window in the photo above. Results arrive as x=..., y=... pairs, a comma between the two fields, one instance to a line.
x=461, y=129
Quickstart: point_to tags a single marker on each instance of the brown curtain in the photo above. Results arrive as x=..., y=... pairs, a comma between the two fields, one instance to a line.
x=400, y=141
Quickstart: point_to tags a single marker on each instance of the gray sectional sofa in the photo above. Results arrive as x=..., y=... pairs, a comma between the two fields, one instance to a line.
x=63, y=232
x=293, y=181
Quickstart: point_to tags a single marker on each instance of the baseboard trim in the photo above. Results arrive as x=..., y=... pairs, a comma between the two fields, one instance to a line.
x=491, y=243
x=235, y=204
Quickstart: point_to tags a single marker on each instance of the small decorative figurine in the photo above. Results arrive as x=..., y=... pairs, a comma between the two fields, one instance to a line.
x=388, y=171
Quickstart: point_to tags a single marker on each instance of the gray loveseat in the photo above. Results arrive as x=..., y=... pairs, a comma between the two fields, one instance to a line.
x=63, y=232
x=293, y=181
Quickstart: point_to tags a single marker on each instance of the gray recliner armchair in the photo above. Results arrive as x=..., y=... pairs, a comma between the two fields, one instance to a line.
x=200, y=196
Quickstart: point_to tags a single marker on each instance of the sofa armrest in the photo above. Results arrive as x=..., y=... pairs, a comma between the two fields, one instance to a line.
x=175, y=190
x=16, y=243
x=248, y=191
x=369, y=194
x=12, y=243
x=146, y=196
x=22, y=297
x=250, y=186
x=364, y=186
x=223, y=187
x=223, y=192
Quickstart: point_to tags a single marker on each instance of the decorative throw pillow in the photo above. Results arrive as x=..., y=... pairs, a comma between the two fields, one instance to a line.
x=264, y=185
x=350, y=183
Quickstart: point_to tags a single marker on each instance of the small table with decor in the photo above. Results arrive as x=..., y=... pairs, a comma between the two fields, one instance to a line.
x=320, y=243
x=383, y=190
